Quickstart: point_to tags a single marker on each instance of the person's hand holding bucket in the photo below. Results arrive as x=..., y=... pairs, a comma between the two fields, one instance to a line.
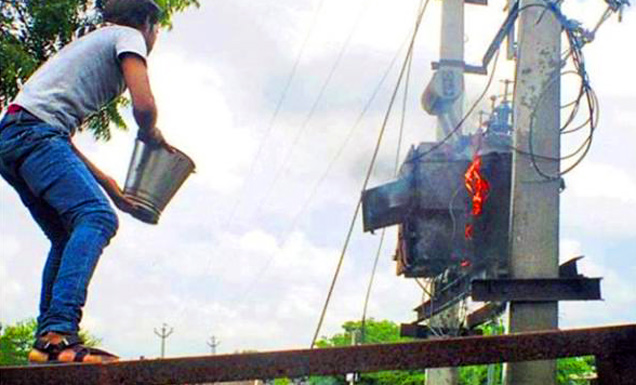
x=156, y=172
x=121, y=201
x=153, y=137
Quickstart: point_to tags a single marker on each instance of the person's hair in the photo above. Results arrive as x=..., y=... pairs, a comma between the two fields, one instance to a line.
x=132, y=13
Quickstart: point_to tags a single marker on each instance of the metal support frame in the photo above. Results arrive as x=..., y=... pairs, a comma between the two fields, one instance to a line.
x=423, y=331
x=614, y=345
x=536, y=289
x=484, y=314
x=450, y=295
x=570, y=283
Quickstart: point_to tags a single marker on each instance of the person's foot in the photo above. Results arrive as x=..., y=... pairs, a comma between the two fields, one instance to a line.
x=62, y=348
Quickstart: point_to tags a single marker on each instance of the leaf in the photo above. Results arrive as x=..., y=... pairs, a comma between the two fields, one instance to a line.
x=32, y=31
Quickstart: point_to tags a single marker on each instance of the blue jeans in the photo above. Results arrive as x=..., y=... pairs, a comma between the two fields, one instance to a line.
x=65, y=200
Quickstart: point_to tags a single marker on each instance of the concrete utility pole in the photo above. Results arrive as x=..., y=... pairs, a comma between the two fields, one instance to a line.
x=164, y=334
x=535, y=199
x=451, y=51
x=452, y=59
x=213, y=343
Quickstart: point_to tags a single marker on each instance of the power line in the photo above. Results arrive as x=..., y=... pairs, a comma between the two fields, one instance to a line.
x=368, y=295
x=332, y=162
x=397, y=167
x=268, y=131
x=272, y=121
x=368, y=176
x=310, y=114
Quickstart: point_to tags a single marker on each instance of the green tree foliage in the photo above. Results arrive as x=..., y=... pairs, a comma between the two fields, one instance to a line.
x=16, y=341
x=570, y=371
x=575, y=370
x=375, y=332
x=31, y=31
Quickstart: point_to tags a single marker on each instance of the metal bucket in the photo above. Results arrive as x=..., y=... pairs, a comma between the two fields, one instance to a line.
x=154, y=176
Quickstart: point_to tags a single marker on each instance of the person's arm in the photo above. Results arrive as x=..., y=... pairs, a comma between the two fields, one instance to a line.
x=109, y=185
x=144, y=108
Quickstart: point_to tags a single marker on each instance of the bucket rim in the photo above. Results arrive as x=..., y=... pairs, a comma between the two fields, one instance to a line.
x=188, y=158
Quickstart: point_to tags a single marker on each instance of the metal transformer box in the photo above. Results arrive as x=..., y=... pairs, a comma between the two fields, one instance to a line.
x=432, y=206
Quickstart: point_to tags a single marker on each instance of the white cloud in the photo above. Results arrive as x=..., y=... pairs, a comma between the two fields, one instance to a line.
x=568, y=249
x=600, y=199
x=617, y=290
x=257, y=282
x=603, y=181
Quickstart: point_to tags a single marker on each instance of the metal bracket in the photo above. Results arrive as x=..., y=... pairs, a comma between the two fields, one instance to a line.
x=476, y=2
x=572, y=283
x=484, y=314
x=423, y=331
x=471, y=69
x=449, y=296
x=536, y=289
x=569, y=269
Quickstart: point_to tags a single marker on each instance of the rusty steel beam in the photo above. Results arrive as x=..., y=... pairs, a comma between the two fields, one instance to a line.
x=484, y=314
x=616, y=368
x=606, y=341
x=536, y=289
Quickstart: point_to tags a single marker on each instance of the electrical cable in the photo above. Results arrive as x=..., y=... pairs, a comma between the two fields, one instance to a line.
x=368, y=295
x=576, y=54
x=463, y=119
x=576, y=38
x=368, y=176
x=424, y=289
x=274, y=117
x=284, y=165
x=397, y=167
x=331, y=164
x=269, y=129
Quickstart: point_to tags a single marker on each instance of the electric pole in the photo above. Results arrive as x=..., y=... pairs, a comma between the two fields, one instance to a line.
x=164, y=334
x=535, y=197
x=353, y=378
x=213, y=343
x=451, y=68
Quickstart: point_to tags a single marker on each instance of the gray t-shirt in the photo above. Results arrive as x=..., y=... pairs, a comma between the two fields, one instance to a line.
x=81, y=78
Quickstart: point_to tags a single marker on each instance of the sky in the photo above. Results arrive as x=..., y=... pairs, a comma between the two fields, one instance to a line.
x=246, y=250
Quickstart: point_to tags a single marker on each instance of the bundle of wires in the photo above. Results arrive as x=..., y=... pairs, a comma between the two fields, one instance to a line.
x=577, y=37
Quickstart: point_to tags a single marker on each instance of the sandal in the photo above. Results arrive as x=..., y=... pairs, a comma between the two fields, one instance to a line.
x=69, y=349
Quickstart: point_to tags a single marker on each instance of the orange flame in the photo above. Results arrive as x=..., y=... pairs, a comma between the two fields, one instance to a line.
x=477, y=186
x=469, y=231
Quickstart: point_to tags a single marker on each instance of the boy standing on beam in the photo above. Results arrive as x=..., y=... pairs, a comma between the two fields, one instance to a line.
x=56, y=183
